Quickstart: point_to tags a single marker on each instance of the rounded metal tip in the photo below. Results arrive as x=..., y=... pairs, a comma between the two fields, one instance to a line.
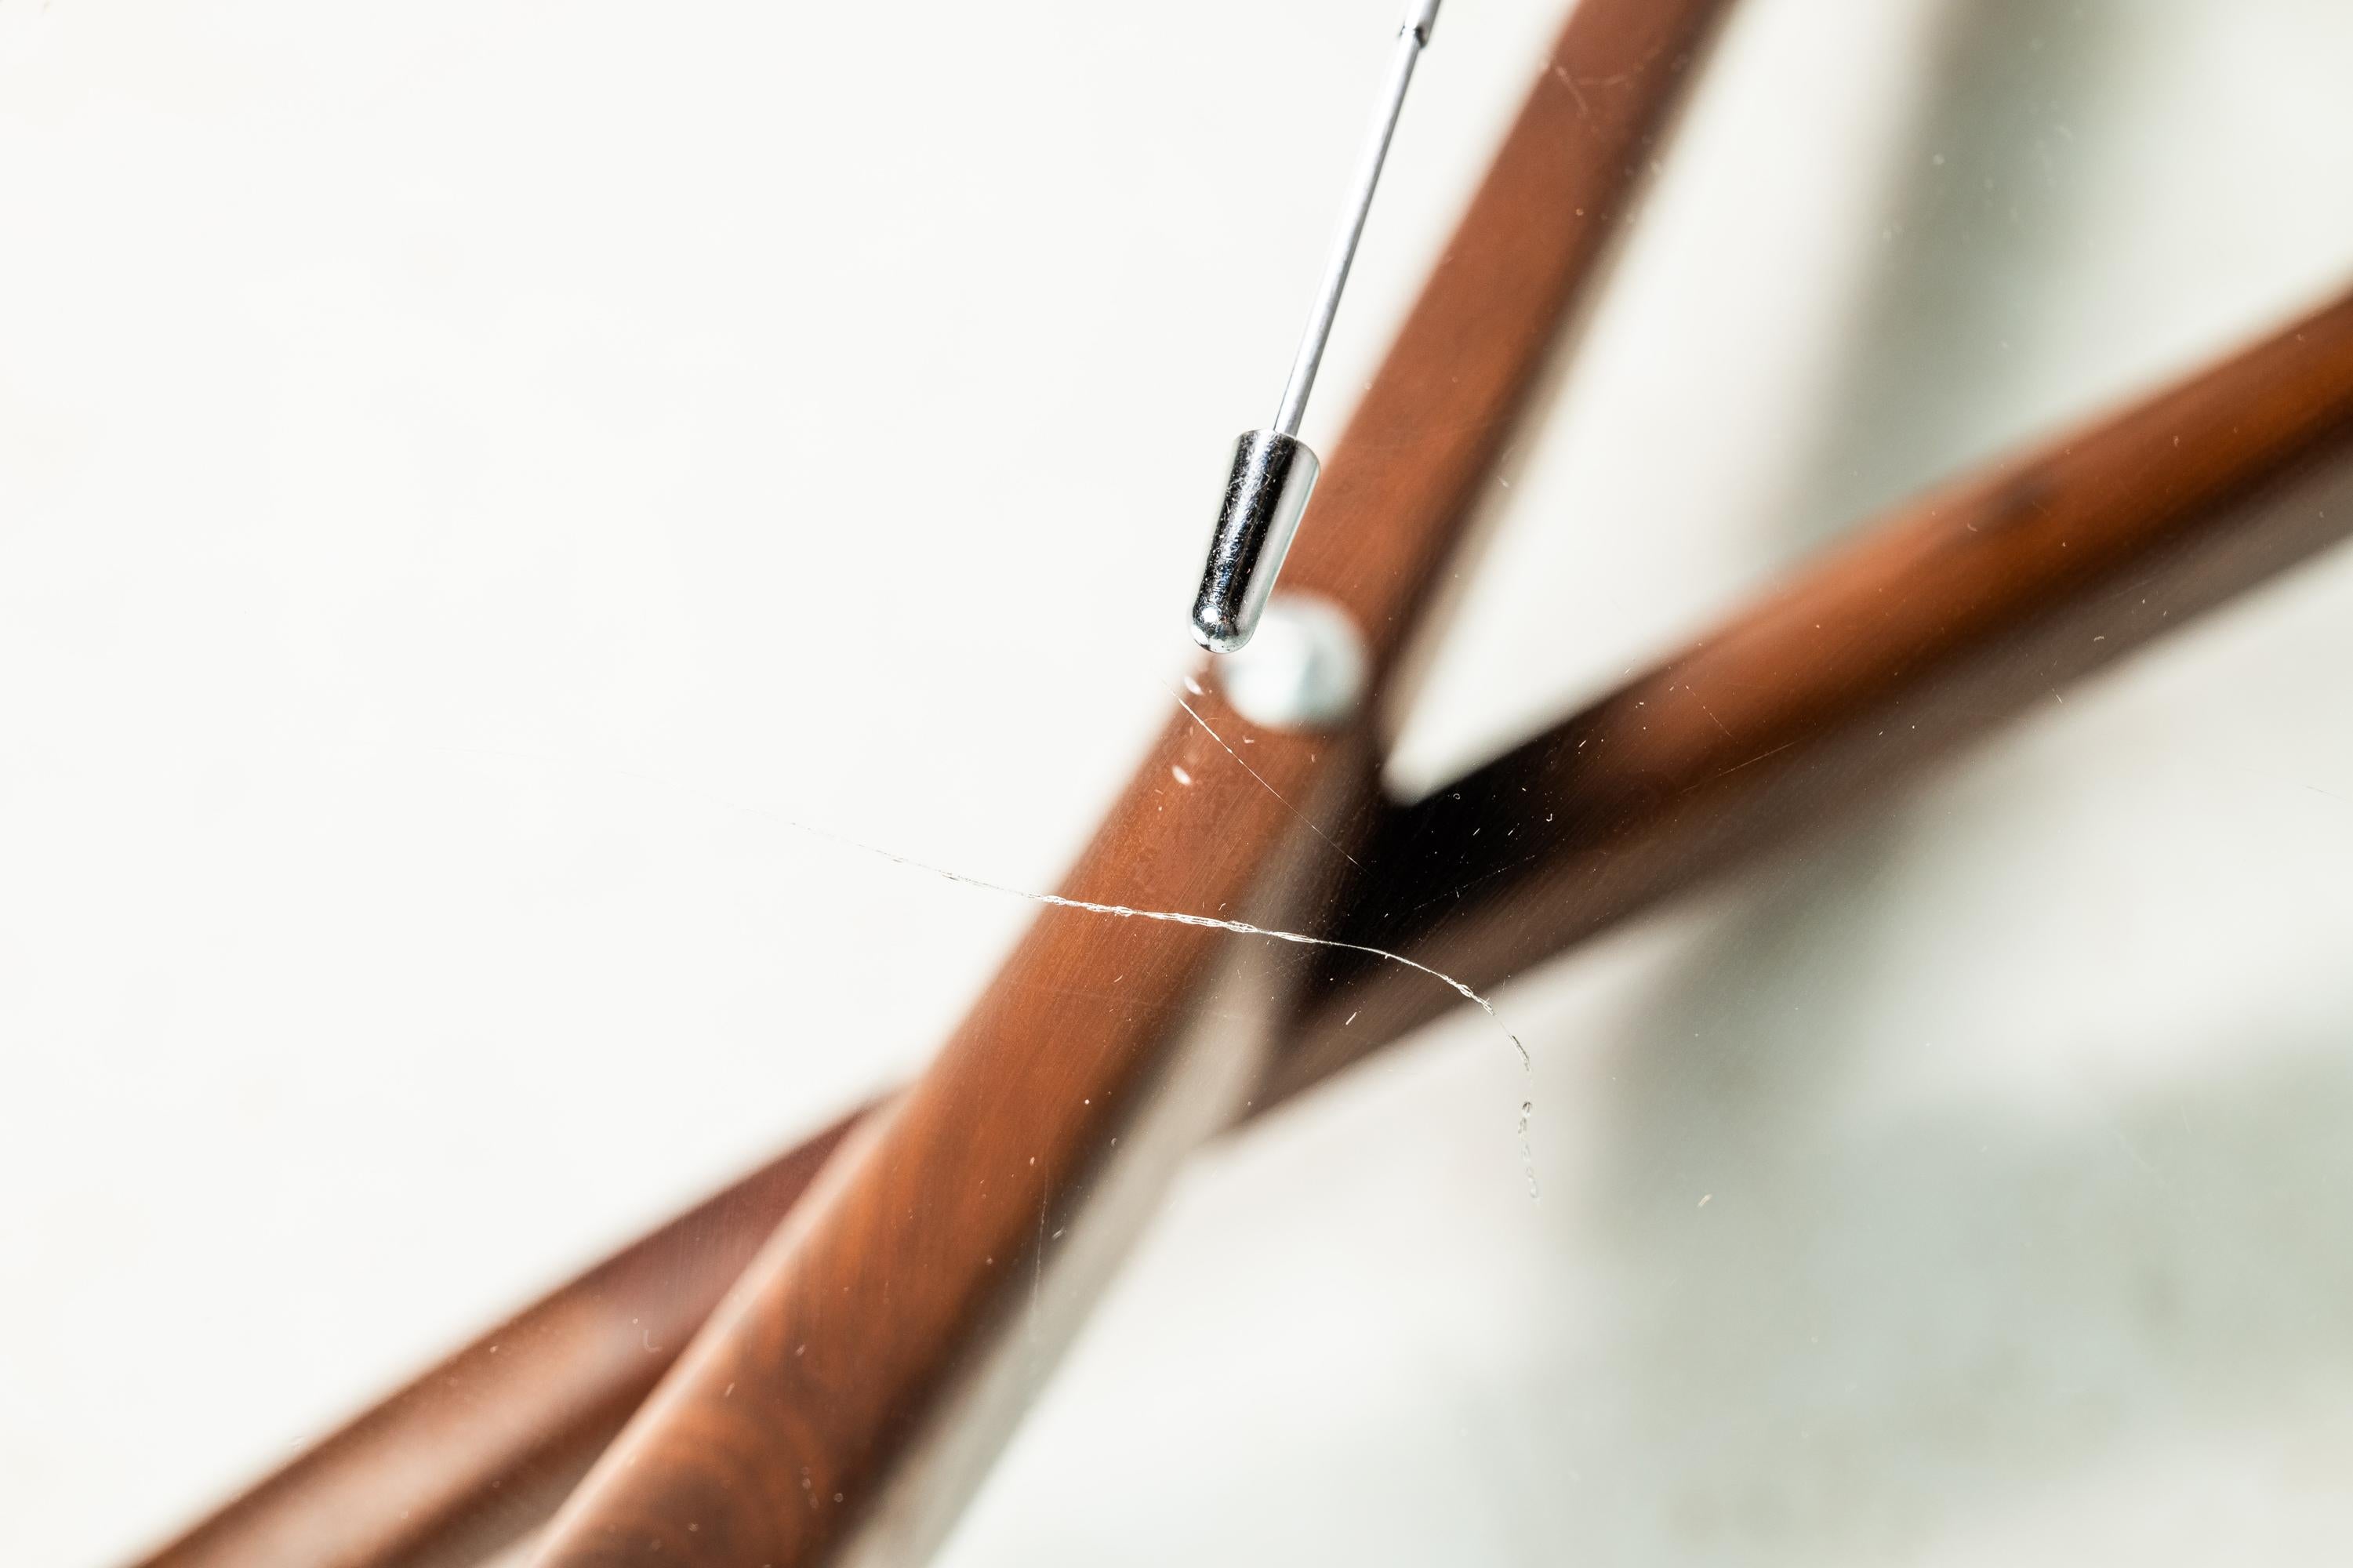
x=1266, y=493
x=1218, y=635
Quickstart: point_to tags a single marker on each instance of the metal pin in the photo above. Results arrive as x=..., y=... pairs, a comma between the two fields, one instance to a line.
x=1274, y=470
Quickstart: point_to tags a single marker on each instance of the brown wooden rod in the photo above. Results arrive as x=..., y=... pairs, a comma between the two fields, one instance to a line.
x=480, y=1447
x=1962, y=608
x=846, y=1396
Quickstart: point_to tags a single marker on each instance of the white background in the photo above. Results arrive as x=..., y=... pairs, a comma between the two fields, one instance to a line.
x=472, y=475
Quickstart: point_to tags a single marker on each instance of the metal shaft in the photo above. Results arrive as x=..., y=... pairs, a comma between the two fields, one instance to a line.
x=1273, y=470
x=1411, y=38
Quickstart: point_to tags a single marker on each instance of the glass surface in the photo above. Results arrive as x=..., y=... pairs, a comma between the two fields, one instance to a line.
x=504, y=508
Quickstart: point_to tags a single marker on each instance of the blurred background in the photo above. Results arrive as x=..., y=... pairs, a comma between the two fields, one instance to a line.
x=475, y=477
